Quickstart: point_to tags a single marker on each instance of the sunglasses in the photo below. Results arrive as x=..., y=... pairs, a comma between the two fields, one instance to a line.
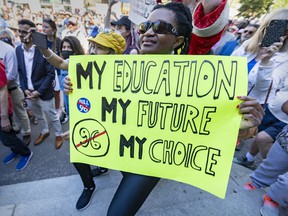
x=250, y=32
x=159, y=27
x=22, y=32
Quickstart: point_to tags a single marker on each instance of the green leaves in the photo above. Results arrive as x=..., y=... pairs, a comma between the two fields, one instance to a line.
x=254, y=8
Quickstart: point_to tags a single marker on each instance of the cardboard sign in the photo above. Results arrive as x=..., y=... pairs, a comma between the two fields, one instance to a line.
x=170, y=116
x=124, y=1
x=140, y=10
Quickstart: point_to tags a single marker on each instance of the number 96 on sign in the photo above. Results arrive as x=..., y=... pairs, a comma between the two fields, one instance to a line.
x=83, y=105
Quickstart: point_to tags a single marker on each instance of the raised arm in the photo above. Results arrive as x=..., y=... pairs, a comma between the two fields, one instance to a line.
x=108, y=14
x=49, y=55
x=54, y=59
x=209, y=20
x=210, y=5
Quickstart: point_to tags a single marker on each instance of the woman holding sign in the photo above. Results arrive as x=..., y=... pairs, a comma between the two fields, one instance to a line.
x=167, y=30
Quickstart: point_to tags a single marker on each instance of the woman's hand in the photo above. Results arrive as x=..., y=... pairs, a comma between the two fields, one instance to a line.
x=266, y=53
x=67, y=85
x=112, y=2
x=252, y=112
x=30, y=31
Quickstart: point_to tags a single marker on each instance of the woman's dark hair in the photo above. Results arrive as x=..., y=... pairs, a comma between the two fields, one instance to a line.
x=52, y=24
x=183, y=21
x=127, y=28
x=74, y=43
x=132, y=41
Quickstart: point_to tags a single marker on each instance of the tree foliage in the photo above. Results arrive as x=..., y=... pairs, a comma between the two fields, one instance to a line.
x=254, y=8
x=278, y=4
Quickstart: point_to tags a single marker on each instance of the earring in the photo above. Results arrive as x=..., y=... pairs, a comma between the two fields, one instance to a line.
x=172, y=52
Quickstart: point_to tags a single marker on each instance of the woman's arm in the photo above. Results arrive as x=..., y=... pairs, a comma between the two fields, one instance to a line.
x=49, y=55
x=210, y=5
x=108, y=14
x=209, y=20
x=54, y=59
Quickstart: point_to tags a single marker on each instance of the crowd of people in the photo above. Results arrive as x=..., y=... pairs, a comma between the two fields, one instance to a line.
x=39, y=75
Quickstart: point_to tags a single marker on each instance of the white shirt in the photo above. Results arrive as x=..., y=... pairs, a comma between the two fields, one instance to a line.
x=28, y=58
x=7, y=53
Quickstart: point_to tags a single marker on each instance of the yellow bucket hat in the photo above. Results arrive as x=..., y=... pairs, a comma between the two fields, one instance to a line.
x=111, y=40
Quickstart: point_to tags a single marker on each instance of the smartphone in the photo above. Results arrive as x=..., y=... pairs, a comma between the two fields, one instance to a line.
x=40, y=40
x=274, y=31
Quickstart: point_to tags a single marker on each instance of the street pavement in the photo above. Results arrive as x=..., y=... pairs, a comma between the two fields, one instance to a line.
x=50, y=186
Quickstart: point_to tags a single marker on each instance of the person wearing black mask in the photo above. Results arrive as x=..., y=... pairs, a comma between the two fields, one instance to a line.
x=6, y=37
x=6, y=40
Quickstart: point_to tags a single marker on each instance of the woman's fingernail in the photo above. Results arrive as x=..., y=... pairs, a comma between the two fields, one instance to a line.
x=239, y=97
x=237, y=106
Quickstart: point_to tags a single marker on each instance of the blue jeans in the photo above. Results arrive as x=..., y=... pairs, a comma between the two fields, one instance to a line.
x=63, y=74
x=271, y=125
x=273, y=173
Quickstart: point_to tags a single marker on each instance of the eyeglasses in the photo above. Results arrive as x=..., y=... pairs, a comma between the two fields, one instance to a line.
x=22, y=32
x=250, y=32
x=159, y=27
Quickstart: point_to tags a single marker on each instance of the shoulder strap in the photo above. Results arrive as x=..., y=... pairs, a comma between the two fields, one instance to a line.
x=267, y=96
x=250, y=89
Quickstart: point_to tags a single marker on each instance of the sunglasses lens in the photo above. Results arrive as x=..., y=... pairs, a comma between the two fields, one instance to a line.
x=249, y=32
x=143, y=27
x=22, y=32
x=160, y=27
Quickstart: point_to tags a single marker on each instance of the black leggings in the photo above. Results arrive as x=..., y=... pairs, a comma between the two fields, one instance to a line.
x=131, y=193
x=85, y=173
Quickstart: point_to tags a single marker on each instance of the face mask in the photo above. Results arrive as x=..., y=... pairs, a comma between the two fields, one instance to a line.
x=7, y=40
x=118, y=32
x=66, y=54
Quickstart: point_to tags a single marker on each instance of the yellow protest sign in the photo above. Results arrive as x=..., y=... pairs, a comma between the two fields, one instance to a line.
x=170, y=116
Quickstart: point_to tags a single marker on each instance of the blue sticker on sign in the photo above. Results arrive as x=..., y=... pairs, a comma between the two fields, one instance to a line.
x=83, y=105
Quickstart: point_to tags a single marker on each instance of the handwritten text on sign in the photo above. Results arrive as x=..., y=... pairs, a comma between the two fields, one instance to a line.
x=169, y=116
x=140, y=10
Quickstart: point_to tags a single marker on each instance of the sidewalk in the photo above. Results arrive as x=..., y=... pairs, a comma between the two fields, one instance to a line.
x=58, y=196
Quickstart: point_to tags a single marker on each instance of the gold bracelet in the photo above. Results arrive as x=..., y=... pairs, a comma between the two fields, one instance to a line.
x=49, y=57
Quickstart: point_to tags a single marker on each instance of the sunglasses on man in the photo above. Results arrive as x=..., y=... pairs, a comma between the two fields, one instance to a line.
x=22, y=32
x=249, y=32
